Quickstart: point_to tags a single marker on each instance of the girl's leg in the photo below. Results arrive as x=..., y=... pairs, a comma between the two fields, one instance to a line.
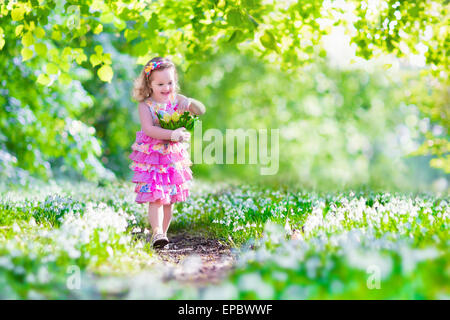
x=156, y=216
x=167, y=217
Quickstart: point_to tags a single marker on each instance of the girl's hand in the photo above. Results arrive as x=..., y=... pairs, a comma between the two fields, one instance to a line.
x=180, y=134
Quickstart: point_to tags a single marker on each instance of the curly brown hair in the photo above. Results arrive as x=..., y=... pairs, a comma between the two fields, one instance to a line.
x=141, y=88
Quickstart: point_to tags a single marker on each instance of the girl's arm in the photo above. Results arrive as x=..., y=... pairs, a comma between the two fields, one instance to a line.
x=193, y=106
x=147, y=124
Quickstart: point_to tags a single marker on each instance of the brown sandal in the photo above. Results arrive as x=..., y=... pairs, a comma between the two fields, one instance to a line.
x=159, y=240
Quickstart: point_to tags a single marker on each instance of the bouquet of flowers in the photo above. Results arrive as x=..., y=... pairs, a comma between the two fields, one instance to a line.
x=177, y=120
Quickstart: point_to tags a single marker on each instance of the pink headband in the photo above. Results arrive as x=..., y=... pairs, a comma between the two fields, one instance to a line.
x=152, y=66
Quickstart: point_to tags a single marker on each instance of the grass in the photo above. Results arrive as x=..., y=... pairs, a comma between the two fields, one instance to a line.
x=78, y=241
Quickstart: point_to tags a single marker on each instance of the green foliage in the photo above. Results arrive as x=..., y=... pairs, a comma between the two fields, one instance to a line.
x=405, y=27
x=62, y=112
x=348, y=245
x=338, y=128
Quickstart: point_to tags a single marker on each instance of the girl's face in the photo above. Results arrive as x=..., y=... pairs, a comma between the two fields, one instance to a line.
x=163, y=85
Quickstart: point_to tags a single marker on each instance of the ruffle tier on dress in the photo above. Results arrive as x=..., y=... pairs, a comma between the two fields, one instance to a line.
x=161, y=170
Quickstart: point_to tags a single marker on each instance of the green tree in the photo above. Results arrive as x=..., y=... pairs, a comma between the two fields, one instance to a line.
x=52, y=54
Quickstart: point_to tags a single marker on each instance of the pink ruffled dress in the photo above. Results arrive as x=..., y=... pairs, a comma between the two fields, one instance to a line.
x=161, y=167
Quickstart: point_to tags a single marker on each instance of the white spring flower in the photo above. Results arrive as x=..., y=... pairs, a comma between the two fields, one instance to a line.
x=124, y=239
x=363, y=259
x=76, y=229
x=136, y=230
x=30, y=278
x=287, y=227
x=16, y=228
x=224, y=291
x=410, y=257
x=280, y=276
x=287, y=261
x=6, y=263
x=147, y=285
x=43, y=275
x=19, y=270
x=248, y=225
x=311, y=266
x=139, y=245
x=85, y=236
x=103, y=236
x=32, y=222
x=254, y=282
x=314, y=220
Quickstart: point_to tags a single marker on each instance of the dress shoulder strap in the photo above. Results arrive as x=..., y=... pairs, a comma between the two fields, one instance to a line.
x=152, y=110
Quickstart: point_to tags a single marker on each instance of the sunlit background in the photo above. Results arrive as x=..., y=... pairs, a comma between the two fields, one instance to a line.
x=344, y=121
x=358, y=90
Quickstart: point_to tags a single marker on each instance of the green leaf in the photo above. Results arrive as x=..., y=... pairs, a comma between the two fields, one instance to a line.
x=19, y=30
x=98, y=29
x=43, y=79
x=56, y=35
x=17, y=14
x=98, y=49
x=27, y=39
x=105, y=73
x=27, y=54
x=183, y=121
x=65, y=66
x=236, y=36
x=41, y=49
x=81, y=58
x=322, y=53
x=254, y=24
x=234, y=17
x=189, y=124
x=39, y=32
x=51, y=68
x=120, y=24
x=153, y=24
x=54, y=54
x=2, y=40
x=249, y=3
x=268, y=41
x=106, y=18
x=65, y=79
x=140, y=49
x=131, y=34
x=67, y=53
x=221, y=4
x=107, y=58
x=95, y=60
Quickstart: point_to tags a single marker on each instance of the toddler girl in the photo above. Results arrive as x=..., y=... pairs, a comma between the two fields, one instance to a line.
x=161, y=162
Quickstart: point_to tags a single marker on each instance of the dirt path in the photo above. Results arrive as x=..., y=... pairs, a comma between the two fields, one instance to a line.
x=194, y=259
